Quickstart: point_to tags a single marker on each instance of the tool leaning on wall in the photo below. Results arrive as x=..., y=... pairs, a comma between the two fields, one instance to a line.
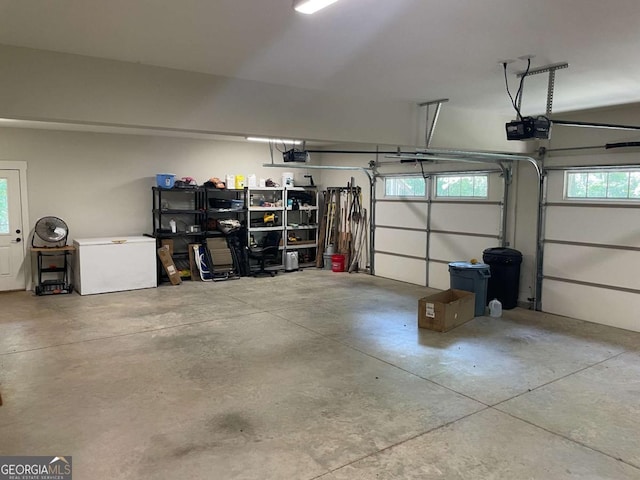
x=344, y=226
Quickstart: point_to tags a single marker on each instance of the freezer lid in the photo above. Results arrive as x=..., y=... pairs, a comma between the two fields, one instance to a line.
x=112, y=240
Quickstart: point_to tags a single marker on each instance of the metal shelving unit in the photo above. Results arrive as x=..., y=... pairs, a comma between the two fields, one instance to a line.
x=301, y=224
x=261, y=202
x=192, y=207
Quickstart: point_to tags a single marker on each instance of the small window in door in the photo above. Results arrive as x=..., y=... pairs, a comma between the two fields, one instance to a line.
x=405, y=187
x=462, y=186
x=614, y=184
x=4, y=207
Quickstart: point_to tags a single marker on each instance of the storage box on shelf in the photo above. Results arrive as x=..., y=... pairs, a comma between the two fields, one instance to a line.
x=301, y=223
x=265, y=216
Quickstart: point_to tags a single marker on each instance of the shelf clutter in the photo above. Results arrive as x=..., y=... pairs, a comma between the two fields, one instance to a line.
x=187, y=218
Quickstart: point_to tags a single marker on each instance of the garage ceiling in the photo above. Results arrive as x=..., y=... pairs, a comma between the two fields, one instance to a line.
x=402, y=49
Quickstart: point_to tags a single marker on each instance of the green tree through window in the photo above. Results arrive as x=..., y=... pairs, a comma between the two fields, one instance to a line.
x=612, y=184
x=405, y=187
x=4, y=206
x=462, y=186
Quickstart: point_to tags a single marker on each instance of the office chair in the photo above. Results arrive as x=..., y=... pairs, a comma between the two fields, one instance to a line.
x=268, y=249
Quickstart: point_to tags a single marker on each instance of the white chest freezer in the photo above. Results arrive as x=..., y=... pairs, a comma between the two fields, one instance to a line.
x=114, y=264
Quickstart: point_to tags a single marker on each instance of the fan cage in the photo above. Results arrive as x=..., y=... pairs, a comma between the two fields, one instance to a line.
x=50, y=232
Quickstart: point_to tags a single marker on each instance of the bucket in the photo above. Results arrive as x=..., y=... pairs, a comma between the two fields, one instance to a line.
x=337, y=263
x=165, y=180
x=327, y=261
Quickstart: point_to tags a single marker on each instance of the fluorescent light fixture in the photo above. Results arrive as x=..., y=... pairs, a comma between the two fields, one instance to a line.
x=275, y=140
x=311, y=6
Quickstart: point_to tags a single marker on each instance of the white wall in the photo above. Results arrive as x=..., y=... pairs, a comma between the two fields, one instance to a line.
x=101, y=183
x=41, y=85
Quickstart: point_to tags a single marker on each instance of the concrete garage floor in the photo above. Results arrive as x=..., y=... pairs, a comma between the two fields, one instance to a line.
x=312, y=375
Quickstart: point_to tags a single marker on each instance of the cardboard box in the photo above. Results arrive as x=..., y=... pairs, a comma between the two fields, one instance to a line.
x=446, y=310
x=168, y=243
x=169, y=266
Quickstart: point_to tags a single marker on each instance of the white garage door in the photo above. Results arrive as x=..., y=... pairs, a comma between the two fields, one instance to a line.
x=592, y=249
x=416, y=238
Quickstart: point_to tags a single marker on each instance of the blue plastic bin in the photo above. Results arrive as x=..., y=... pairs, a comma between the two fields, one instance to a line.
x=165, y=180
x=471, y=278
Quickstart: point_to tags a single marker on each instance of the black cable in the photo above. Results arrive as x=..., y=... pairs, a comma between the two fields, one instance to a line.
x=506, y=82
x=622, y=145
x=275, y=144
x=519, y=92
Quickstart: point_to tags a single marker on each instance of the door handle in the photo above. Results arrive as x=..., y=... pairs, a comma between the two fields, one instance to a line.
x=17, y=240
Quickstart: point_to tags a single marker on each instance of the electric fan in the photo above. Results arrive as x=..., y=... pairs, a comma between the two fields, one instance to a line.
x=51, y=231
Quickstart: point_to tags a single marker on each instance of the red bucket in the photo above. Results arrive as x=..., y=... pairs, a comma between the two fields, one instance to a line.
x=337, y=263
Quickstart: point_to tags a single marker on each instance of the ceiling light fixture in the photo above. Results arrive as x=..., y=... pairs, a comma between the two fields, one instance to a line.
x=311, y=6
x=275, y=140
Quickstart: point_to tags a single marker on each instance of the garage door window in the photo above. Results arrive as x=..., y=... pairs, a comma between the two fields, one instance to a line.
x=405, y=187
x=603, y=184
x=462, y=186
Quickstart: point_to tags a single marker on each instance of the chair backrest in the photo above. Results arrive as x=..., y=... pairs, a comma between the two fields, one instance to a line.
x=271, y=243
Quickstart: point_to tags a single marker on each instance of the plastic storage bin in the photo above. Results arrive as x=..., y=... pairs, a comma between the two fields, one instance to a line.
x=472, y=278
x=165, y=180
x=504, y=283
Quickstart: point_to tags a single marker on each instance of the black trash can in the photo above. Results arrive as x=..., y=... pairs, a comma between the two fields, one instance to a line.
x=504, y=283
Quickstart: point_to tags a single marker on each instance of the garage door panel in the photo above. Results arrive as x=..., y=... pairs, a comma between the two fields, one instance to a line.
x=593, y=265
x=402, y=214
x=598, y=305
x=439, y=275
x=458, y=247
x=404, y=242
x=468, y=218
x=610, y=226
x=401, y=268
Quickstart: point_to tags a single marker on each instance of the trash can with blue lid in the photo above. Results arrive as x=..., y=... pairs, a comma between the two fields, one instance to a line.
x=472, y=277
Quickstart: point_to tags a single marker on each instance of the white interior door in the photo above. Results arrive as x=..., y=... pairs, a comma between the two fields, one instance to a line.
x=11, y=232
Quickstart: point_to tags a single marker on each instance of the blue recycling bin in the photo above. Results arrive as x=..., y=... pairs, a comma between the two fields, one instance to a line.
x=471, y=277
